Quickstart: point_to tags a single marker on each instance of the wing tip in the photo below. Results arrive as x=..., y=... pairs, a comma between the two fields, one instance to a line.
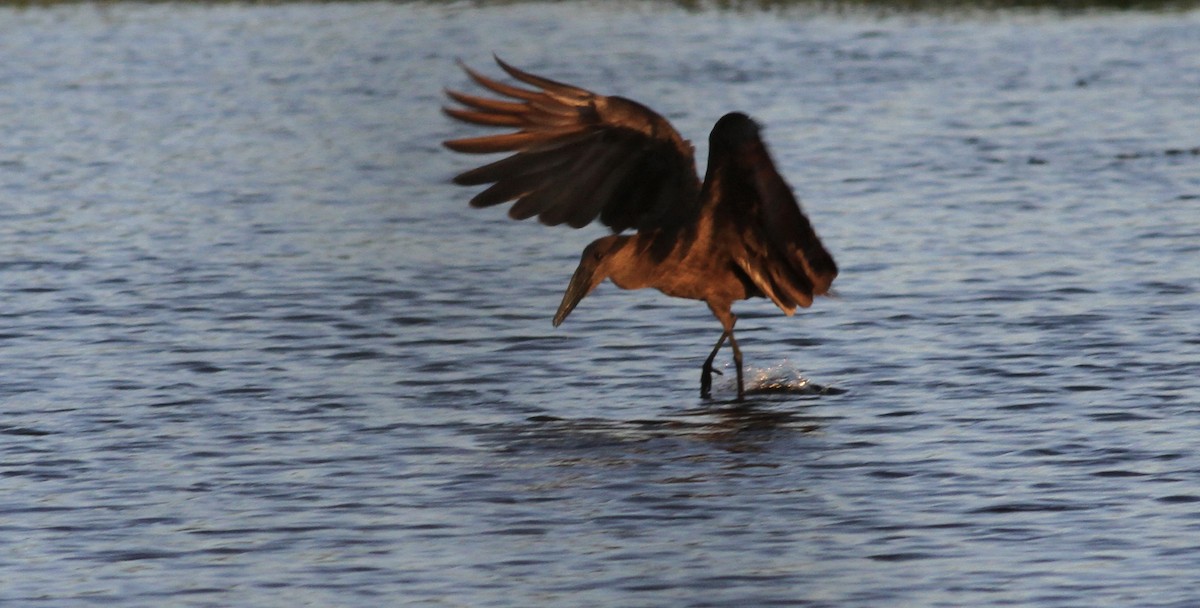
x=455, y=145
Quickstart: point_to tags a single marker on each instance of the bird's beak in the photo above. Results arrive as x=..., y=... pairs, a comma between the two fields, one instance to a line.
x=582, y=283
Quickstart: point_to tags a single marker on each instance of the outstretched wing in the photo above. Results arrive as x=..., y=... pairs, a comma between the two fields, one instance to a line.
x=577, y=156
x=774, y=244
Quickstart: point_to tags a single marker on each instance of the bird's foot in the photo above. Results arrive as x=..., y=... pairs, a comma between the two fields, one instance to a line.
x=706, y=381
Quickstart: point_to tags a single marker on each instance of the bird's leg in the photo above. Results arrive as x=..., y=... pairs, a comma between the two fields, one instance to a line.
x=721, y=310
x=737, y=360
x=707, y=371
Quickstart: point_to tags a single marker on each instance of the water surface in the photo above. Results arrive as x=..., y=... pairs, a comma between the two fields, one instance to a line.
x=257, y=351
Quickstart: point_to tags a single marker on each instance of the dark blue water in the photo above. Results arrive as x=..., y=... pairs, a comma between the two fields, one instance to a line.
x=256, y=351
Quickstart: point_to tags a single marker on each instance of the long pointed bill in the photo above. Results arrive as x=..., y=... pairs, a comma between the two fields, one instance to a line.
x=582, y=283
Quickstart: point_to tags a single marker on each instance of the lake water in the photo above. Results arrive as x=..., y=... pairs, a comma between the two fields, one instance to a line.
x=255, y=350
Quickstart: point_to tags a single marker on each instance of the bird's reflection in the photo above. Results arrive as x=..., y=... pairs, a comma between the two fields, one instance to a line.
x=731, y=425
x=756, y=421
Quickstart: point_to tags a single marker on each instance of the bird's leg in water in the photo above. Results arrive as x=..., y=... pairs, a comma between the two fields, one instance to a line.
x=721, y=311
x=737, y=360
x=707, y=371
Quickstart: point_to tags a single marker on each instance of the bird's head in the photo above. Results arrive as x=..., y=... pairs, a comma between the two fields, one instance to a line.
x=592, y=270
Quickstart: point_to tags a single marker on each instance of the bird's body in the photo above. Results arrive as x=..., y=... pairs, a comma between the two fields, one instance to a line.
x=580, y=157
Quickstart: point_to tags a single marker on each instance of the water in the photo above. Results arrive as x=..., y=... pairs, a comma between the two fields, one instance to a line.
x=257, y=351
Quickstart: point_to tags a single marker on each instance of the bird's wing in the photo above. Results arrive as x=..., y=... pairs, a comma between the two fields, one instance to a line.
x=776, y=245
x=576, y=156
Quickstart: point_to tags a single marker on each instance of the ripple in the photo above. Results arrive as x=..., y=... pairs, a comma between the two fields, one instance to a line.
x=1029, y=507
x=253, y=337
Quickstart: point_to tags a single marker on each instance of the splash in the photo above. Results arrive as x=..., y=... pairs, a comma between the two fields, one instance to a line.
x=783, y=378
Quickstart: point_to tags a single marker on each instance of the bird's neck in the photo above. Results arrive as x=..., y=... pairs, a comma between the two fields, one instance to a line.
x=632, y=266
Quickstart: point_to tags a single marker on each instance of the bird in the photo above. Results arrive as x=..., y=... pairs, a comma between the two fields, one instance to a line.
x=575, y=157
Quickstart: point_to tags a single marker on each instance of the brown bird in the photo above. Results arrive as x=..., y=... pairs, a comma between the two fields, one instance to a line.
x=579, y=156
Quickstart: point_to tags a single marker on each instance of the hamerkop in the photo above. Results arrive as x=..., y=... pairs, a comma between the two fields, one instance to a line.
x=579, y=156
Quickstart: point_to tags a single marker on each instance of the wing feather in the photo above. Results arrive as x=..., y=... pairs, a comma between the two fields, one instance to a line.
x=550, y=86
x=576, y=156
x=485, y=104
x=574, y=199
x=790, y=232
x=774, y=243
x=515, y=166
x=507, y=190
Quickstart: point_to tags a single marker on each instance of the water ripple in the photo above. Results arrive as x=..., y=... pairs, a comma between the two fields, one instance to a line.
x=257, y=350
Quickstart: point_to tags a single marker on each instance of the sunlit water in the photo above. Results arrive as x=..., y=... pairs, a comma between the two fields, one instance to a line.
x=256, y=351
